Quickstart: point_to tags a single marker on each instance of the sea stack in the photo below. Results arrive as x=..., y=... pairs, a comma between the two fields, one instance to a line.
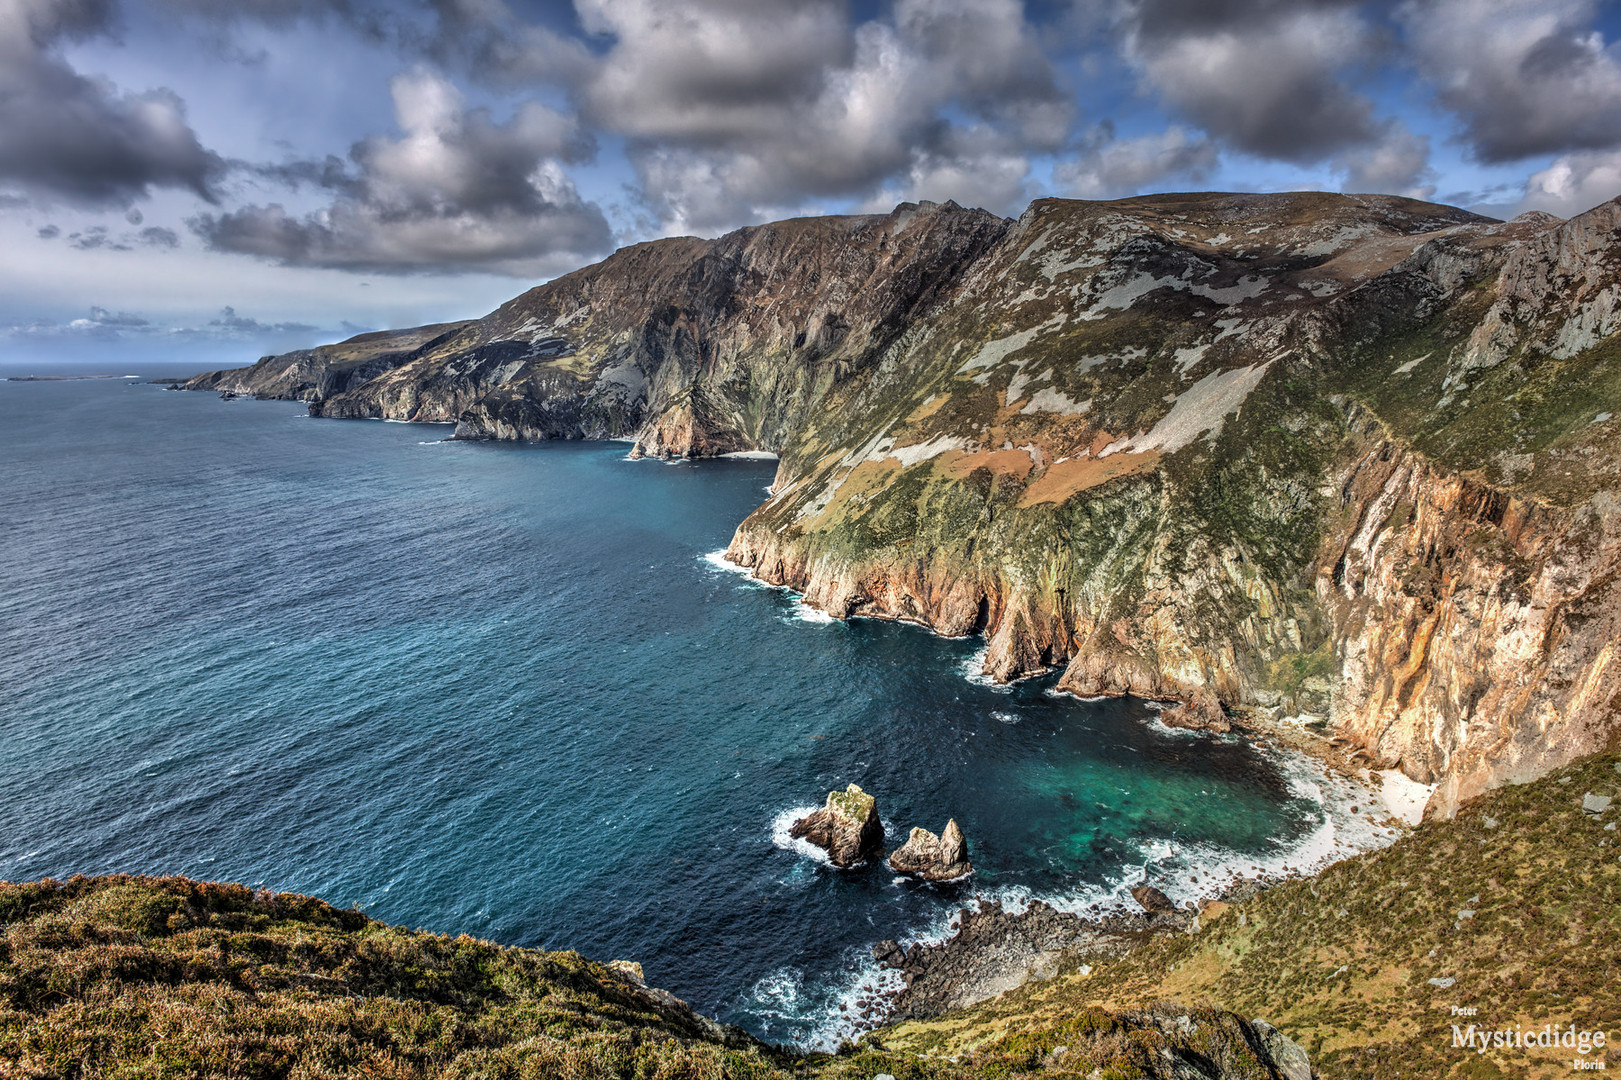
x=847, y=828
x=931, y=857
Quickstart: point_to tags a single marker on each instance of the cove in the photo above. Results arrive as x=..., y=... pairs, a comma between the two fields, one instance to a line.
x=508, y=690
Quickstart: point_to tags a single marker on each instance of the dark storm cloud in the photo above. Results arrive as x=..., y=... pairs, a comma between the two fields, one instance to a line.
x=68, y=138
x=1524, y=78
x=1261, y=75
x=457, y=191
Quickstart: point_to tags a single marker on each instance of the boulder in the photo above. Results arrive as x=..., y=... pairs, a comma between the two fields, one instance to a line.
x=1153, y=901
x=1288, y=1057
x=847, y=827
x=1201, y=712
x=931, y=857
x=889, y=954
x=1595, y=805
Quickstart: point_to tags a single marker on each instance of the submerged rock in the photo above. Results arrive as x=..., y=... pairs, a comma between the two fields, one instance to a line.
x=931, y=857
x=847, y=828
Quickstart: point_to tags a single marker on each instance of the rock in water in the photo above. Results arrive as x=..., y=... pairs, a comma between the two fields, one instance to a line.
x=934, y=858
x=1153, y=901
x=1201, y=712
x=847, y=828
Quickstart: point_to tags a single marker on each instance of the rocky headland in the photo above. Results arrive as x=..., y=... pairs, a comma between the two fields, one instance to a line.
x=1351, y=456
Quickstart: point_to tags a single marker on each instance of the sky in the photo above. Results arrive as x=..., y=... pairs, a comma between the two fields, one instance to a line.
x=209, y=180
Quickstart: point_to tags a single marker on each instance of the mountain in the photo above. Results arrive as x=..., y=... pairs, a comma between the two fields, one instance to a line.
x=1348, y=455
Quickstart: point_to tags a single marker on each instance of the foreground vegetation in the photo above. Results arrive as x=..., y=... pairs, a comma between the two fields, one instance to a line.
x=1510, y=910
x=1513, y=910
x=167, y=977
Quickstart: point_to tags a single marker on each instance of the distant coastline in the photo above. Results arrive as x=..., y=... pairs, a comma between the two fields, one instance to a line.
x=64, y=378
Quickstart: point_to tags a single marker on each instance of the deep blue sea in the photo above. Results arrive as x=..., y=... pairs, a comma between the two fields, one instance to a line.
x=511, y=691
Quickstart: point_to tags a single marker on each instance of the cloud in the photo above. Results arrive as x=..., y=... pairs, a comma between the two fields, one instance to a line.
x=457, y=191
x=1398, y=164
x=68, y=138
x=1525, y=77
x=1573, y=183
x=1109, y=168
x=233, y=324
x=492, y=44
x=102, y=317
x=159, y=237
x=1263, y=76
x=738, y=110
x=101, y=324
x=101, y=238
x=97, y=237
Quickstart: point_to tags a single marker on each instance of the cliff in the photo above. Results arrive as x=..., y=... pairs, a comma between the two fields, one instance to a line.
x=1349, y=455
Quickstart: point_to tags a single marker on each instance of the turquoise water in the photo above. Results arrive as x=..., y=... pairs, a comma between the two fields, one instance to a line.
x=501, y=690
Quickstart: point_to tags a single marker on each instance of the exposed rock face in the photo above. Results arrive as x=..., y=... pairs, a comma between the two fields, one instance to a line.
x=691, y=347
x=931, y=857
x=847, y=828
x=1478, y=629
x=1152, y=900
x=1350, y=455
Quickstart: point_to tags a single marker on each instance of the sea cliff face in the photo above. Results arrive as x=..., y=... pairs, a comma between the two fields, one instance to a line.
x=1348, y=455
x=690, y=347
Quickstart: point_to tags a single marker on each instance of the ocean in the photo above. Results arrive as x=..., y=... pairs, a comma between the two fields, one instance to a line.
x=514, y=691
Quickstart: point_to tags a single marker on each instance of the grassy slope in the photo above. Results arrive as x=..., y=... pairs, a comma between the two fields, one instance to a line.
x=150, y=977
x=168, y=977
x=1342, y=962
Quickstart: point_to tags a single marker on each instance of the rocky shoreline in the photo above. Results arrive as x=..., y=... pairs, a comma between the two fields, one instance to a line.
x=994, y=948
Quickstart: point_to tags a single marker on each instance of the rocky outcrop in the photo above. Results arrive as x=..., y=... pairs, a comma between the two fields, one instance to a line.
x=995, y=950
x=931, y=857
x=847, y=827
x=1201, y=712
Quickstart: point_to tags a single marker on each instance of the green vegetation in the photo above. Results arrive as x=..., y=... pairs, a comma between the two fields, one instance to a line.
x=144, y=977
x=1517, y=901
x=167, y=977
